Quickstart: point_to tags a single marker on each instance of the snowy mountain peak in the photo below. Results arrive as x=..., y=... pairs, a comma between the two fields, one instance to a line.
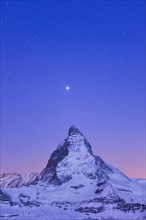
x=73, y=130
x=74, y=159
x=77, y=142
x=74, y=155
x=75, y=184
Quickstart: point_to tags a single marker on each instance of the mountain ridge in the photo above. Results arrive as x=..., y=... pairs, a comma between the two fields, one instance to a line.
x=14, y=180
x=78, y=185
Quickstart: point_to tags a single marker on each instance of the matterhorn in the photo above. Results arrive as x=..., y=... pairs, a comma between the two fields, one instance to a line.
x=75, y=184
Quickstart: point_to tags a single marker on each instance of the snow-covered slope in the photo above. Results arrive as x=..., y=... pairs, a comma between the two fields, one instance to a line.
x=76, y=184
x=13, y=180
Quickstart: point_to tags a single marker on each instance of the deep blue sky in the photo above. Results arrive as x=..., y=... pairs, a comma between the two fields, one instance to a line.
x=95, y=47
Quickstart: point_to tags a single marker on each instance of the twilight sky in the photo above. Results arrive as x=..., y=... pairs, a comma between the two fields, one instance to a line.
x=97, y=49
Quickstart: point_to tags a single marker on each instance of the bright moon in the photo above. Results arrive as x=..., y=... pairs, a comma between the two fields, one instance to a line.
x=67, y=88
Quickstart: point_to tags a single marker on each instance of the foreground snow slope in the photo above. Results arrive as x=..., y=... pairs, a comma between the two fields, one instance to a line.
x=76, y=184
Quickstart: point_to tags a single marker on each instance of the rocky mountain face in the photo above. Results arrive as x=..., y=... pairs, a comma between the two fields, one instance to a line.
x=76, y=184
x=14, y=180
x=72, y=157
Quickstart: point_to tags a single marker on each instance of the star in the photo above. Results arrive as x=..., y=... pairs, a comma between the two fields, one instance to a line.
x=67, y=88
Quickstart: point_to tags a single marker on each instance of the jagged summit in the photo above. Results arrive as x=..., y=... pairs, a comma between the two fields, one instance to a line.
x=75, y=136
x=74, y=130
x=73, y=157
